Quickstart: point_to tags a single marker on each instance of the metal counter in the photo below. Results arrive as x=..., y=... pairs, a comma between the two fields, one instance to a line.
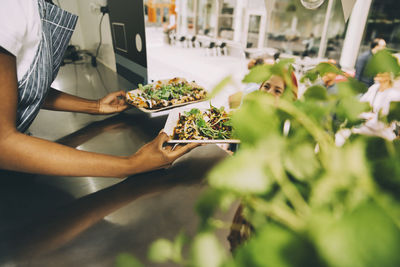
x=89, y=221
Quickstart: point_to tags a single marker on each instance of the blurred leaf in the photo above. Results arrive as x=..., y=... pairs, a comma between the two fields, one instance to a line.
x=317, y=92
x=301, y=161
x=242, y=174
x=276, y=246
x=127, y=260
x=284, y=69
x=394, y=112
x=177, y=248
x=343, y=182
x=352, y=85
x=325, y=67
x=258, y=74
x=161, y=251
x=261, y=73
x=317, y=111
x=220, y=86
x=309, y=75
x=207, y=251
x=283, y=66
x=320, y=70
x=384, y=157
x=210, y=201
x=255, y=120
x=350, y=108
x=366, y=237
x=382, y=61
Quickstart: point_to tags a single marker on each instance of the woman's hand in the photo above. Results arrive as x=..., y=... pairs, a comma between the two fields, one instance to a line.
x=112, y=103
x=154, y=155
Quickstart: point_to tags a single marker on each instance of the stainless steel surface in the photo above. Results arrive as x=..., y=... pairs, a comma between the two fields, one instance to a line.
x=89, y=221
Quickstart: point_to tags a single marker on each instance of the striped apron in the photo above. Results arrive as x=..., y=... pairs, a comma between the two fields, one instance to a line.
x=57, y=28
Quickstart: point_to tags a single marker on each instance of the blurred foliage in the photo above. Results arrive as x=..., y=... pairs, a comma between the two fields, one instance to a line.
x=164, y=250
x=309, y=202
x=383, y=61
x=274, y=245
x=127, y=260
x=320, y=70
x=394, y=111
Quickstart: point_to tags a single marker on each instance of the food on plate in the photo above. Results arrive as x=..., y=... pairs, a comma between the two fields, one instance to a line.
x=211, y=124
x=166, y=93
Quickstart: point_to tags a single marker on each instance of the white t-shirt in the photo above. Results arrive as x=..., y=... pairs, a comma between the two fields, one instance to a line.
x=380, y=101
x=20, y=31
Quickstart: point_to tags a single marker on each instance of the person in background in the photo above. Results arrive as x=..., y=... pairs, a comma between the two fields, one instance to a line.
x=381, y=93
x=250, y=87
x=379, y=96
x=309, y=43
x=255, y=62
x=331, y=79
x=376, y=45
x=275, y=86
x=33, y=38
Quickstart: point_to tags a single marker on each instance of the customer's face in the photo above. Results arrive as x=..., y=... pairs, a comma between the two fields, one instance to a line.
x=381, y=44
x=383, y=78
x=274, y=85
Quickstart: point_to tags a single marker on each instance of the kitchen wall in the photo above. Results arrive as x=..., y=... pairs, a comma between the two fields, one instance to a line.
x=86, y=34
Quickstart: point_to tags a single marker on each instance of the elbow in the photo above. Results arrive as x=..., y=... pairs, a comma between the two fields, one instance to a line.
x=7, y=137
x=8, y=158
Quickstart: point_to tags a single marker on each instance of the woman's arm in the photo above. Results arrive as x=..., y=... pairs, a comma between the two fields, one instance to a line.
x=60, y=101
x=20, y=152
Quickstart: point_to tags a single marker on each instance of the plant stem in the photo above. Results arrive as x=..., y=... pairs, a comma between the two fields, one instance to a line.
x=292, y=194
x=279, y=212
x=320, y=135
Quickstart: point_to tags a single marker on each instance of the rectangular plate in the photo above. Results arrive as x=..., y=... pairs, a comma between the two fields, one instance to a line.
x=159, y=109
x=146, y=110
x=172, y=121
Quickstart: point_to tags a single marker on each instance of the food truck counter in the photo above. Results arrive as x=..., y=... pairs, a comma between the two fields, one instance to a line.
x=89, y=221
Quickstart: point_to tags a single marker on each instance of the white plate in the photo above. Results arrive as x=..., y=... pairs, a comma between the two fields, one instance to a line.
x=147, y=110
x=173, y=119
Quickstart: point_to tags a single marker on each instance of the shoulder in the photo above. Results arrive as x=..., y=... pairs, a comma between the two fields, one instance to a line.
x=17, y=18
x=370, y=94
x=366, y=55
x=363, y=57
x=373, y=88
x=394, y=94
x=13, y=9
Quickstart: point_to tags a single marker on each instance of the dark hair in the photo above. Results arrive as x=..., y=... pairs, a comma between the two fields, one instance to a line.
x=276, y=56
x=259, y=61
x=375, y=42
x=49, y=1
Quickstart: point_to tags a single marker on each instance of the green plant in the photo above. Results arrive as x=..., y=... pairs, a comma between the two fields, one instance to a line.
x=309, y=202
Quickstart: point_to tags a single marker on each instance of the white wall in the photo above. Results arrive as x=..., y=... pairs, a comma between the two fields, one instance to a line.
x=86, y=34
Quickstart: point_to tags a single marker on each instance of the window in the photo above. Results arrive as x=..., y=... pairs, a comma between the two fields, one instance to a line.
x=207, y=17
x=191, y=16
x=291, y=27
x=383, y=22
x=226, y=19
